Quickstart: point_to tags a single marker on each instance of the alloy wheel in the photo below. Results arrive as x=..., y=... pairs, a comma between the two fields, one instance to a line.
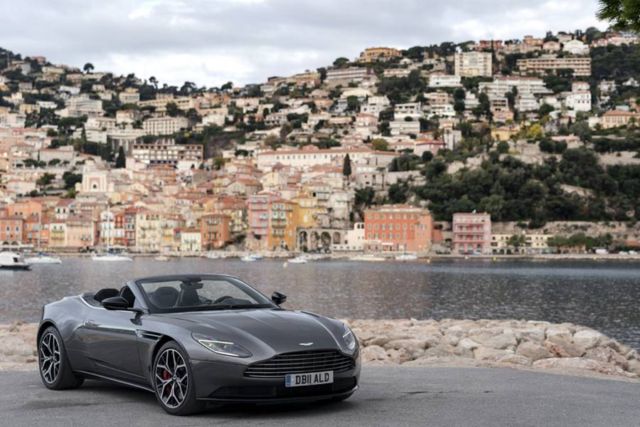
x=172, y=378
x=49, y=354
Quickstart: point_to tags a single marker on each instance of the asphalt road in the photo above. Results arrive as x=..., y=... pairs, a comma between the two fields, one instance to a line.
x=388, y=397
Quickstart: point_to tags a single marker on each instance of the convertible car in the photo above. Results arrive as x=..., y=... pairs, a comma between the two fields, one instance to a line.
x=193, y=339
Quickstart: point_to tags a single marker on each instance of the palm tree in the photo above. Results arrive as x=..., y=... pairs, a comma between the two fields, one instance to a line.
x=154, y=82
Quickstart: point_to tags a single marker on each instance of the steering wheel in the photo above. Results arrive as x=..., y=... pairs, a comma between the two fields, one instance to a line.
x=222, y=298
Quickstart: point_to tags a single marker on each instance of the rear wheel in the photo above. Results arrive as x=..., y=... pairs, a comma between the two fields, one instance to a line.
x=55, y=369
x=173, y=381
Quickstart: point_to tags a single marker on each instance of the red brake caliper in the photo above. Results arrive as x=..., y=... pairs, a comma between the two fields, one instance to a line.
x=166, y=374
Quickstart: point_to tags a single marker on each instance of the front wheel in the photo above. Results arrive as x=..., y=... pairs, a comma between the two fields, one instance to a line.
x=173, y=381
x=55, y=369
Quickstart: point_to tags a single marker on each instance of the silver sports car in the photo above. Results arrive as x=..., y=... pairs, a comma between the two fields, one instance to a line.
x=193, y=339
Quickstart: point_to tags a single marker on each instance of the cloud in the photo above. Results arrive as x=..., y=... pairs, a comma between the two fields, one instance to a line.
x=210, y=42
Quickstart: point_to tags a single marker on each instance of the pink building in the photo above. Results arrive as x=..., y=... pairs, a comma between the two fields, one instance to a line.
x=471, y=233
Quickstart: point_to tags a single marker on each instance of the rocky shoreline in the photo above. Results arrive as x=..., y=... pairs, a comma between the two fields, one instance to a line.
x=561, y=348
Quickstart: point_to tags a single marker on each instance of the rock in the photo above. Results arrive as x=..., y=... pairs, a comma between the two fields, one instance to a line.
x=607, y=355
x=577, y=363
x=468, y=344
x=587, y=338
x=562, y=348
x=384, y=339
x=399, y=356
x=515, y=359
x=502, y=341
x=535, y=334
x=558, y=333
x=441, y=350
x=414, y=348
x=533, y=351
x=634, y=366
x=490, y=354
x=451, y=339
x=373, y=352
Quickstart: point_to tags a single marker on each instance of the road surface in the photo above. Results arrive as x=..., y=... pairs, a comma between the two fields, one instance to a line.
x=388, y=396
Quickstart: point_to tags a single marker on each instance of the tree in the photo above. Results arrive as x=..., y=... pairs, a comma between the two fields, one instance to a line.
x=624, y=14
x=45, y=179
x=340, y=62
x=516, y=241
x=88, y=67
x=172, y=109
x=353, y=104
x=346, y=166
x=380, y=144
x=154, y=82
x=503, y=147
x=71, y=179
x=121, y=160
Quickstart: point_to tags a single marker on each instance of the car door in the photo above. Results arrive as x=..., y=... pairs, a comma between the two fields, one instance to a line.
x=111, y=341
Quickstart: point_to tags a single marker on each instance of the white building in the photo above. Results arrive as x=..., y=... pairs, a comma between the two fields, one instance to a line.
x=375, y=104
x=473, y=64
x=410, y=109
x=576, y=47
x=404, y=127
x=311, y=156
x=164, y=125
x=444, y=80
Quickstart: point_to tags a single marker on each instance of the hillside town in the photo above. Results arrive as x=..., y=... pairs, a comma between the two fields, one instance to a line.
x=527, y=146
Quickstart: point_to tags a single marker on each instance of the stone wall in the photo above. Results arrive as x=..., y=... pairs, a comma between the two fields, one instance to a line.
x=528, y=344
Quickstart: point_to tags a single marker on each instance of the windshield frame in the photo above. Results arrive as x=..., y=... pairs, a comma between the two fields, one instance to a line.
x=263, y=300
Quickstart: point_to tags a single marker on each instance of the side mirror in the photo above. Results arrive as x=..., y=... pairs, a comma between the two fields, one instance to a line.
x=115, y=303
x=278, y=298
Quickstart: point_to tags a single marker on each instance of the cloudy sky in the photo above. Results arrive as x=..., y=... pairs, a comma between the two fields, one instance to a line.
x=213, y=41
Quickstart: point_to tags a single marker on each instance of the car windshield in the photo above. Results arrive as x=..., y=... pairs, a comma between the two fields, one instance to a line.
x=201, y=293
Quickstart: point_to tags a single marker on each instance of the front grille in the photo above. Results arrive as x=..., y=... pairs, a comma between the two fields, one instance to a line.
x=301, y=362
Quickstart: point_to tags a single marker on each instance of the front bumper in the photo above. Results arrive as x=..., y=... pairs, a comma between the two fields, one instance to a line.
x=226, y=382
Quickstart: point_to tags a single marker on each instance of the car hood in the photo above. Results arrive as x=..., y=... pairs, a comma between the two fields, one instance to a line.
x=266, y=329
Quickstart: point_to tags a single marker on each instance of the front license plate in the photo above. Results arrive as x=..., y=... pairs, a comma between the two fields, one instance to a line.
x=314, y=378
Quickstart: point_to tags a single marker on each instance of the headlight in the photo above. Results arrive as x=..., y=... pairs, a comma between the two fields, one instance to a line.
x=225, y=348
x=349, y=339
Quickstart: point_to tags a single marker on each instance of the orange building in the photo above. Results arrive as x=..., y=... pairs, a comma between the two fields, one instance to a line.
x=214, y=230
x=11, y=230
x=398, y=228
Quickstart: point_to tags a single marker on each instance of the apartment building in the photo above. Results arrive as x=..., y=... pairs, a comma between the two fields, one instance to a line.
x=471, y=233
x=167, y=152
x=164, y=125
x=473, y=64
x=581, y=66
x=397, y=228
x=350, y=74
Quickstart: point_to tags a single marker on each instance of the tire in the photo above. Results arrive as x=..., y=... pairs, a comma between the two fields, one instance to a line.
x=53, y=363
x=171, y=370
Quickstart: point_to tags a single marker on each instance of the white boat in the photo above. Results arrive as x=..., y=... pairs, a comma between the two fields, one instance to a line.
x=249, y=258
x=111, y=258
x=12, y=261
x=43, y=259
x=407, y=257
x=161, y=258
x=366, y=258
x=257, y=257
x=298, y=260
x=212, y=255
